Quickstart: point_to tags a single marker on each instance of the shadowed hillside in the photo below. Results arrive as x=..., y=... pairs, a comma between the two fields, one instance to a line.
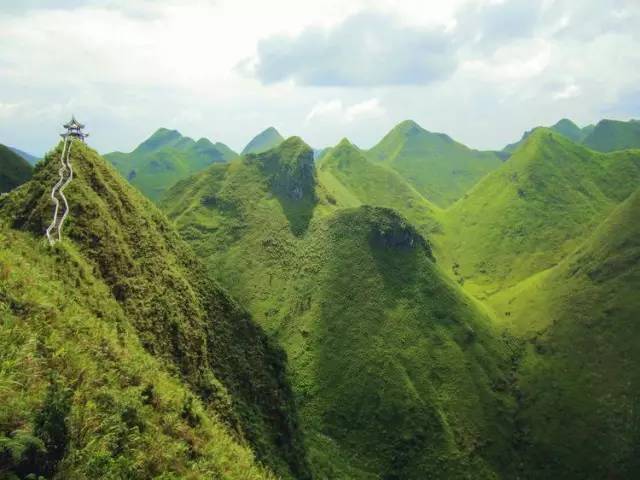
x=120, y=250
x=381, y=344
x=610, y=135
x=14, y=170
x=579, y=378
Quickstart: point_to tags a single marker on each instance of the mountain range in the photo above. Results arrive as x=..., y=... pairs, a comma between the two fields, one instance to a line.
x=14, y=170
x=415, y=310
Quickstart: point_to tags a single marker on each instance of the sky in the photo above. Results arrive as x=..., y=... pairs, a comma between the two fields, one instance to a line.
x=482, y=71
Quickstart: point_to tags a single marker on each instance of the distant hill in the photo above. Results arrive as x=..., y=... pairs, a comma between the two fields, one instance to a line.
x=14, y=170
x=135, y=363
x=438, y=167
x=535, y=209
x=564, y=127
x=264, y=141
x=31, y=159
x=610, y=135
x=166, y=157
x=579, y=374
x=353, y=180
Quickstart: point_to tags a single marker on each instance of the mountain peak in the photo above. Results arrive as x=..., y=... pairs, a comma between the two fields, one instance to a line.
x=160, y=138
x=265, y=140
x=407, y=127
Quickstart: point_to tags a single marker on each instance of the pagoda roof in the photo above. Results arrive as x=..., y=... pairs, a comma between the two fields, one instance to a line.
x=73, y=123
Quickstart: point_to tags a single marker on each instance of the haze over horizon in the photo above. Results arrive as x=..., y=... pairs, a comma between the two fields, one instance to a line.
x=482, y=71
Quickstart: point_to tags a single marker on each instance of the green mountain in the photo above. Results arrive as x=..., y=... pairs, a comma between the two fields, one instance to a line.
x=120, y=357
x=534, y=210
x=166, y=157
x=564, y=127
x=381, y=343
x=610, y=135
x=352, y=180
x=14, y=170
x=579, y=377
x=265, y=140
x=438, y=167
x=31, y=159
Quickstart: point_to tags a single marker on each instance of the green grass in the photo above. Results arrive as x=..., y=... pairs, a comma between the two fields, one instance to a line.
x=564, y=127
x=353, y=180
x=180, y=316
x=579, y=378
x=265, y=140
x=438, y=167
x=381, y=344
x=14, y=170
x=610, y=135
x=529, y=214
x=165, y=158
x=79, y=394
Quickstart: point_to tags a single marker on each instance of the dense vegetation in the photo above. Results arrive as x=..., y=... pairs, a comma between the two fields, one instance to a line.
x=143, y=304
x=166, y=157
x=610, y=135
x=14, y=170
x=438, y=167
x=445, y=313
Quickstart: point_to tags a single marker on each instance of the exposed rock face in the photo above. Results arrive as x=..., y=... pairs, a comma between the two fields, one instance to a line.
x=290, y=169
x=390, y=230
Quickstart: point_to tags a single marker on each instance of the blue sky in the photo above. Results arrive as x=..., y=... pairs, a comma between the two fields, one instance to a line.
x=482, y=71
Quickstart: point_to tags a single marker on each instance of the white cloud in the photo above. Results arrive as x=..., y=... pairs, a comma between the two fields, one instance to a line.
x=335, y=111
x=126, y=67
x=570, y=91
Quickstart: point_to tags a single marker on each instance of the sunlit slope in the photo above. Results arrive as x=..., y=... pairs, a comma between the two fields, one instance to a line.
x=579, y=378
x=14, y=170
x=438, y=167
x=398, y=373
x=181, y=317
x=166, y=157
x=534, y=210
x=353, y=180
x=265, y=140
x=610, y=135
x=69, y=349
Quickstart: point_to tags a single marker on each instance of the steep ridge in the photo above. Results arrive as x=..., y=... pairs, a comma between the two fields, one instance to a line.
x=166, y=157
x=579, y=378
x=192, y=328
x=350, y=177
x=438, y=167
x=265, y=140
x=397, y=373
x=533, y=211
x=564, y=127
x=14, y=170
x=610, y=135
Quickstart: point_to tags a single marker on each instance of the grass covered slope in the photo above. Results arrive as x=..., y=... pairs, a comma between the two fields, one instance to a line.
x=166, y=157
x=14, y=170
x=534, y=210
x=564, y=127
x=438, y=167
x=80, y=396
x=610, y=135
x=180, y=316
x=353, y=180
x=265, y=140
x=397, y=372
x=579, y=379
